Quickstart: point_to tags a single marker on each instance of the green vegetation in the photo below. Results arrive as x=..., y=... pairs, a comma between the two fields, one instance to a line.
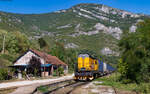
x=115, y=82
x=38, y=23
x=43, y=88
x=12, y=45
x=60, y=71
x=16, y=43
x=134, y=65
x=46, y=32
x=13, y=42
x=66, y=55
x=34, y=66
x=51, y=25
x=3, y=74
x=42, y=42
x=7, y=91
x=135, y=57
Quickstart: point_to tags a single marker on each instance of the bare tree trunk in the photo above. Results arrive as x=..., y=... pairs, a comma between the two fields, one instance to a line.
x=44, y=63
x=3, y=49
x=57, y=70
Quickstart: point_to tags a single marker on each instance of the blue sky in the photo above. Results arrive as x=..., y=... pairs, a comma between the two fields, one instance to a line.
x=45, y=6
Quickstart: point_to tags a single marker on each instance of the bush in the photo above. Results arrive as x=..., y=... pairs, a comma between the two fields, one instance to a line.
x=8, y=57
x=54, y=73
x=126, y=81
x=143, y=88
x=125, y=84
x=60, y=71
x=3, y=74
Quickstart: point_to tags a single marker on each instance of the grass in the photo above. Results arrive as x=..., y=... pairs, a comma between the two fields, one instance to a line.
x=43, y=88
x=113, y=80
x=7, y=91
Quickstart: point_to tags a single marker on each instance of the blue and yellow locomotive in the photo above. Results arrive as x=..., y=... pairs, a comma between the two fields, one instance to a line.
x=88, y=68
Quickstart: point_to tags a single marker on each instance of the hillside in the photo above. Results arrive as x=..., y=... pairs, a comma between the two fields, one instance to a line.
x=84, y=26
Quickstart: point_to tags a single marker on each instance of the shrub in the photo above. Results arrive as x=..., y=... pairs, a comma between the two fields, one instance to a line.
x=3, y=74
x=60, y=71
x=54, y=73
x=143, y=88
x=8, y=57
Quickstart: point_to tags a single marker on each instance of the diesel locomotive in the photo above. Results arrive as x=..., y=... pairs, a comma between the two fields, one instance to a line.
x=89, y=68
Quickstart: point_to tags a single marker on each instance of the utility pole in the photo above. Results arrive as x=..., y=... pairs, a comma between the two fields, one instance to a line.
x=44, y=63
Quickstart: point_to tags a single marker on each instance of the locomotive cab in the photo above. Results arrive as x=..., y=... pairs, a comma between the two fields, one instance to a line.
x=86, y=67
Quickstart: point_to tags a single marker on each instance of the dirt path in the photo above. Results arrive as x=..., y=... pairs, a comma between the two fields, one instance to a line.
x=92, y=88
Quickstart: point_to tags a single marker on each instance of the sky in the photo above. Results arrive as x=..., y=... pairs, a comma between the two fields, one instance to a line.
x=46, y=6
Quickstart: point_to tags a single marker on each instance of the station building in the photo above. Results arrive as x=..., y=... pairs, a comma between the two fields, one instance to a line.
x=49, y=63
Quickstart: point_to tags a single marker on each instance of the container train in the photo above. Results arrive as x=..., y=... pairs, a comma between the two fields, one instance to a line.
x=89, y=68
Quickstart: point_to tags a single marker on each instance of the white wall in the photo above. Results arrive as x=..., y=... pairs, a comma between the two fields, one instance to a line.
x=26, y=58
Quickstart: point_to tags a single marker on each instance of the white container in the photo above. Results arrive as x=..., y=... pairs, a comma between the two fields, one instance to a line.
x=104, y=67
x=19, y=75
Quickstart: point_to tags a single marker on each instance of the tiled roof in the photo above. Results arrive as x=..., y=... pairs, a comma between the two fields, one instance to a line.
x=48, y=58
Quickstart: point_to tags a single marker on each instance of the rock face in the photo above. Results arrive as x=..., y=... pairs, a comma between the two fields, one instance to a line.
x=115, y=32
x=71, y=45
x=65, y=26
x=107, y=51
x=133, y=28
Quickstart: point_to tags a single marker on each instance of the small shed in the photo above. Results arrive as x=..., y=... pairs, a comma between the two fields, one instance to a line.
x=48, y=62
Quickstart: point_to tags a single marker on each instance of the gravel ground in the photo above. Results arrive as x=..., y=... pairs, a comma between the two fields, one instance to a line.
x=92, y=88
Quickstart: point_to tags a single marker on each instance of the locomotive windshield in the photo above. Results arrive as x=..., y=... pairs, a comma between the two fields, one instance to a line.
x=83, y=55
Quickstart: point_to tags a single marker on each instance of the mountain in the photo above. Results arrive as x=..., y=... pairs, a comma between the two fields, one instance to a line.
x=86, y=26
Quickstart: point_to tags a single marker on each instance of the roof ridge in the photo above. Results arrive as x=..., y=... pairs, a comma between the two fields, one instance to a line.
x=48, y=58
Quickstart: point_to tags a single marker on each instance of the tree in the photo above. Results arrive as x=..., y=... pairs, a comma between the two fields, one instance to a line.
x=135, y=54
x=58, y=50
x=3, y=34
x=17, y=42
x=42, y=42
x=23, y=41
x=69, y=56
x=91, y=53
x=60, y=71
x=35, y=66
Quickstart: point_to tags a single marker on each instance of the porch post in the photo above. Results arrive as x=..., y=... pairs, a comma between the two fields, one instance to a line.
x=52, y=70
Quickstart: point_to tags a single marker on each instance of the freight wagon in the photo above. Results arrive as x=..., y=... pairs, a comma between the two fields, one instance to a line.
x=88, y=68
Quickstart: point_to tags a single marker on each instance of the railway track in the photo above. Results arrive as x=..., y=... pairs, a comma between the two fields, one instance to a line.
x=62, y=87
